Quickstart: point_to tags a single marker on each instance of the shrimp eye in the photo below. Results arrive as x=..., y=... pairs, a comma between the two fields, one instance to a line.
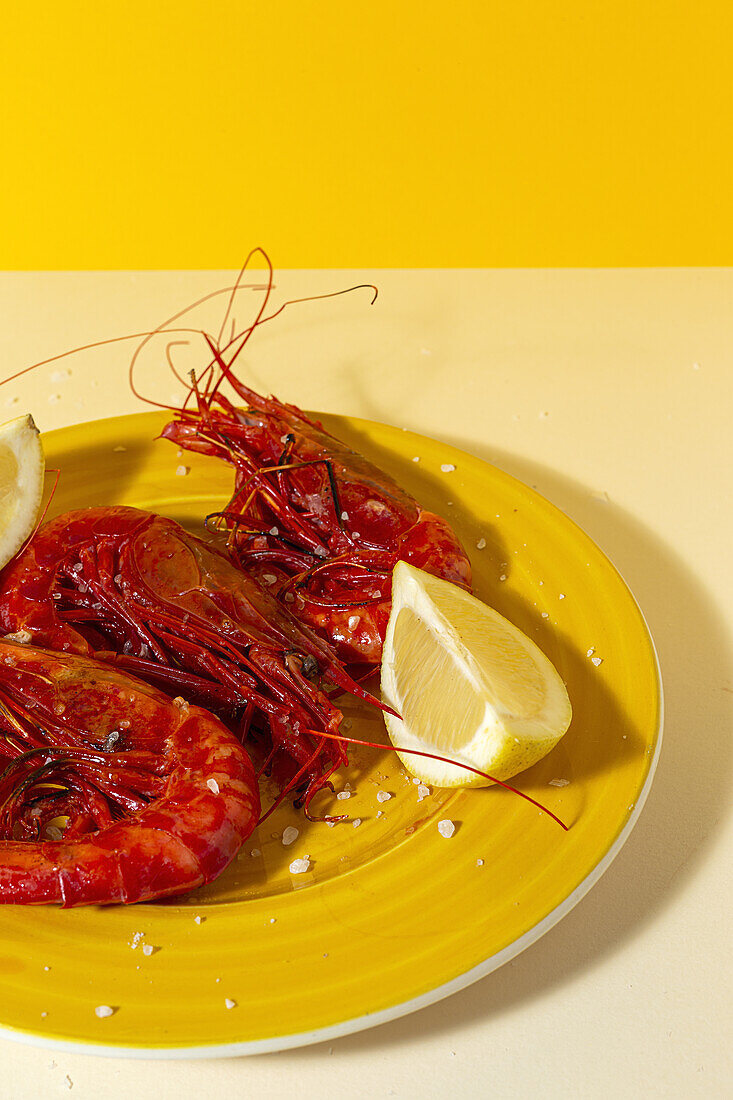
x=309, y=666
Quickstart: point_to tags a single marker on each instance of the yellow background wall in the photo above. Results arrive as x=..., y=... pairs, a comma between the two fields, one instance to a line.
x=461, y=133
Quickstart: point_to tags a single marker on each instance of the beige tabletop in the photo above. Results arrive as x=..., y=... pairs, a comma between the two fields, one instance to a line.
x=610, y=392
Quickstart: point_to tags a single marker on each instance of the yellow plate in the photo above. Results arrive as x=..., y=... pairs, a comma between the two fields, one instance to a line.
x=392, y=916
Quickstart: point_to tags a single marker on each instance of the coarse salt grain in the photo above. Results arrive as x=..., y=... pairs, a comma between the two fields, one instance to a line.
x=561, y=596
x=344, y=794
x=269, y=578
x=354, y=621
x=591, y=651
x=422, y=792
x=255, y=853
x=213, y=786
x=230, y=1003
x=103, y=1011
x=289, y=835
x=545, y=614
x=447, y=468
x=148, y=949
x=383, y=796
x=502, y=577
x=446, y=828
x=481, y=544
x=344, y=515
x=559, y=782
x=416, y=458
x=119, y=449
x=274, y=531
x=299, y=866
x=597, y=661
x=199, y=920
x=479, y=863
x=182, y=471
x=356, y=822
x=380, y=813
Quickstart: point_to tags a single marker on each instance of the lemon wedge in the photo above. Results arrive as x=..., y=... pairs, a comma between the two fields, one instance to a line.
x=468, y=684
x=22, y=467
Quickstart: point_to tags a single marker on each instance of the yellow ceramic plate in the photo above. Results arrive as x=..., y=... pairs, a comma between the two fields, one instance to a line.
x=391, y=916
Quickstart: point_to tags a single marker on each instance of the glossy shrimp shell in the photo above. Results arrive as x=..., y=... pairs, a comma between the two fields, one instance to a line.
x=136, y=588
x=314, y=519
x=96, y=731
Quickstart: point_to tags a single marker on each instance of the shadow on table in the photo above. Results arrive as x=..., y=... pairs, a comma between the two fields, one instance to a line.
x=689, y=798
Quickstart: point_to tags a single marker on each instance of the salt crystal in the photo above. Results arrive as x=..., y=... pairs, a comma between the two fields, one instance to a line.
x=137, y=936
x=479, y=863
x=447, y=468
x=355, y=535
x=446, y=828
x=199, y=920
x=591, y=651
x=422, y=792
x=416, y=458
x=344, y=794
x=383, y=796
x=502, y=577
x=103, y=1011
x=380, y=813
x=255, y=853
x=230, y=1003
x=356, y=822
x=561, y=596
x=269, y=578
x=148, y=949
x=354, y=621
x=274, y=531
x=481, y=544
x=344, y=515
x=182, y=471
x=272, y=920
x=559, y=782
x=597, y=661
x=212, y=785
x=289, y=835
x=545, y=614
x=299, y=866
